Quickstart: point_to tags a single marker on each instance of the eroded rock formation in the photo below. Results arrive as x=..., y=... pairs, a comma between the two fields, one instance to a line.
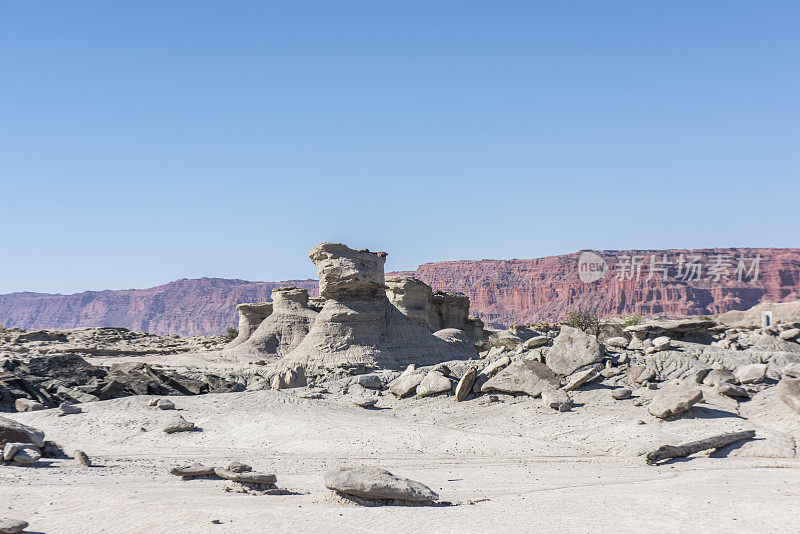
x=411, y=296
x=251, y=315
x=358, y=324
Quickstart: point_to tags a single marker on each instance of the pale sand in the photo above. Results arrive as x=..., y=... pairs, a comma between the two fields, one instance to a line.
x=530, y=469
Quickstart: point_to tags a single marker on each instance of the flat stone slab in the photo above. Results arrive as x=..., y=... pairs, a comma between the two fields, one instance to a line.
x=245, y=477
x=194, y=470
x=523, y=376
x=377, y=483
x=674, y=400
x=465, y=384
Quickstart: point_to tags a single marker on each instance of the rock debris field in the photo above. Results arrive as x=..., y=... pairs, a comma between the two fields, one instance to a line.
x=382, y=406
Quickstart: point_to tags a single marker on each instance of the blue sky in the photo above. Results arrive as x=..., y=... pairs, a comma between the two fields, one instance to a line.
x=147, y=141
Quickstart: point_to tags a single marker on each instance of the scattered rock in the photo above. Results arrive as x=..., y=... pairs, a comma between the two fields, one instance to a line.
x=289, y=378
x=610, y=372
x=12, y=431
x=377, y=484
x=178, y=424
x=555, y=398
x=790, y=334
x=12, y=526
x=152, y=402
x=731, y=390
x=26, y=454
x=674, y=400
x=523, y=376
x=571, y=350
x=193, y=471
x=434, y=383
x=789, y=392
x=28, y=405
x=364, y=402
x=245, y=477
x=621, y=393
x=661, y=343
x=534, y=343
x=69, y=409
x=81, y=458
x=164, y=404
x=489, y=371
x=580, y=378
x=405, y=386
x=465, y=384
x=618, y=342
x=238, y=467
x=753, y=373
x=719, y=375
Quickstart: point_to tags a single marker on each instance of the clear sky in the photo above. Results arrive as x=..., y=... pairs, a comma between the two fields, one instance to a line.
x=141, y=142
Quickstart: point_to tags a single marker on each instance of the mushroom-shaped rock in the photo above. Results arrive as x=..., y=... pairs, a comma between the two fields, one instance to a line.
x=377, y=484
x=251, y=315
x=358, y=324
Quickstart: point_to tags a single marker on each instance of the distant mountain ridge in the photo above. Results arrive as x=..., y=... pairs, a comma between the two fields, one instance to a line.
x=501, y=292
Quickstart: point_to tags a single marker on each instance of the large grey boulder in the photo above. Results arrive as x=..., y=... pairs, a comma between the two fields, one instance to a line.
x=719, y=375
x=405, y=385
x=434, y=383
x=752, y=373
x=14, y=432
x=789, y=392
x=674, y=400
x=523, y=376
x=571, y=350
x=618, y=342
x=377, y=484
x=789, y=334
x=28, y=405
x=489, y=371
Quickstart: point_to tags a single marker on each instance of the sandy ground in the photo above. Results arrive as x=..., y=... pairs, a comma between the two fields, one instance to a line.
x=509, y=466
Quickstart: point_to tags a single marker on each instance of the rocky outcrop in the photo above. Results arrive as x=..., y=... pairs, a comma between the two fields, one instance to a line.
x=281, y=331
x=358, y=324
x=251, y=315
x=448, y=310
x=410, y=296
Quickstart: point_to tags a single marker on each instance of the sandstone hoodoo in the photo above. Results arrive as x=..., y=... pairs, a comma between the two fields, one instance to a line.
x=358, y=324
x=411, y=296
x=251, y=315
x=281, y=331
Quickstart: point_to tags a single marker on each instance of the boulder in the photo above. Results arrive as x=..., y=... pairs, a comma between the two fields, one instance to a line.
x=377, y=484
x=523, y=376
x=731, y=390
x=238, y=467
x=26, y=454
x=289, y=378
x=571, y=350
x=405, y=386
x=364, y=402
x=358, y=324
x=69, y=409
x=554, y=398
x=193, y=471
x=14, y=432
x=489, y=371
x=164, y=404
x=621, y=393
x=719, y=375
x=28, y=405
x=661, y=343
x=674, y=400
x=618, y=342
x=245, y=477
x=465, y=384
x=434, y=383
x=410, y=295
x=579, y=378
x=81, y=458
x=789, y=392
x=251, y=315
x=753, y=373
x=12, y=526
x=534, y=343
x=178, y=424
x=790, y=334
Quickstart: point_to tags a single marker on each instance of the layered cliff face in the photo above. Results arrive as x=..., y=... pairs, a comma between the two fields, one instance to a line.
x=184, y=307
x=500, y=292
x=543, y=289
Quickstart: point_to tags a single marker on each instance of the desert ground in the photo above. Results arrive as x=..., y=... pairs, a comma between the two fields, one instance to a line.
x=505, y=465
